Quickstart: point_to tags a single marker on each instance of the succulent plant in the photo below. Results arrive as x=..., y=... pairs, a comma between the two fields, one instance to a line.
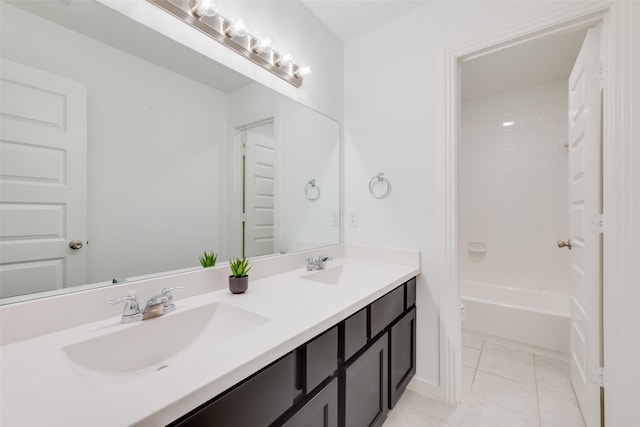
x=208, y=259
x=239, y=266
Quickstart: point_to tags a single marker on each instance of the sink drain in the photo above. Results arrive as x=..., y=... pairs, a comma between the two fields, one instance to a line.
x=162, y=367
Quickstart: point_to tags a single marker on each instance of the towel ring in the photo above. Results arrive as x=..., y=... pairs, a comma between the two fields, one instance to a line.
x=376, y=180
x=308, y=190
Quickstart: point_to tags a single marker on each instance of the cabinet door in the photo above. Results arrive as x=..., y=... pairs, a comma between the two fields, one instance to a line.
x=320, y=411
x=366, y=387
x=402, y=355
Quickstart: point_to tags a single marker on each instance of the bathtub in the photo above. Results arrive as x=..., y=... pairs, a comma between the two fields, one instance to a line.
x=533, y=318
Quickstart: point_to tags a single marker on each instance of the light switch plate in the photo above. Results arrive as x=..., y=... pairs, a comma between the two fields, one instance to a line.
x=353, y=219
x=335, y=219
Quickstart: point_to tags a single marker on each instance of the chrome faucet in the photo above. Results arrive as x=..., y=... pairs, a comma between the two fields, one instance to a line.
x=322, y=261
x=156, y=306
x=131, y=311
x=317, y=264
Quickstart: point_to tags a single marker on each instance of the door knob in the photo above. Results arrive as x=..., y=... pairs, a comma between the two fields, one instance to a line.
x=562, y=244
x=75, y=244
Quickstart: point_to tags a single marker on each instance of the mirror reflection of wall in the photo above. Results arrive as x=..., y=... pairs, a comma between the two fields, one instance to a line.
x=158, y=156
x=307, y=148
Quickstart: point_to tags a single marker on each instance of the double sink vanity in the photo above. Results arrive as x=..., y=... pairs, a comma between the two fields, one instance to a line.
x=335, y=345
x=298, y=346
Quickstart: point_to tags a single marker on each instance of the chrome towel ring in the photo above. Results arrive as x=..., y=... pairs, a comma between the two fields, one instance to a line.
x=379, y=181
x=312, y=190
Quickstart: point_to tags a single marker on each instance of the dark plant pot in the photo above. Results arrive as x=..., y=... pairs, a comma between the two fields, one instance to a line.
x=238, y=285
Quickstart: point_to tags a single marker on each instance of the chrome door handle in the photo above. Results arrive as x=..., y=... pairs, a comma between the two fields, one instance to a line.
x=75, y=244
x=562, y=244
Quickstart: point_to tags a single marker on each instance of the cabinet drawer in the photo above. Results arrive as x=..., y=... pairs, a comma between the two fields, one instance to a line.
x=411, y=293
x=386, y=309
x=257, y=402
x=355, y=333
x=322, y=358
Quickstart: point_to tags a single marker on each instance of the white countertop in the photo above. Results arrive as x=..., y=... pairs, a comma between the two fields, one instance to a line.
x=40, y=385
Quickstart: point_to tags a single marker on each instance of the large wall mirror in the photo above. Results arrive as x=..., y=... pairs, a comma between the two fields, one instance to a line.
x=125, y=154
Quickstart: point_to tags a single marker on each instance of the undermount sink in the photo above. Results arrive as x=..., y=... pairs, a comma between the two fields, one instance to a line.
x=338, y=275
x=150, y=343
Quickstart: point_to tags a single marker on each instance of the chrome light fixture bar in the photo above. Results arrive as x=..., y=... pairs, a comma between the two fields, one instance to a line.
x=203, y=15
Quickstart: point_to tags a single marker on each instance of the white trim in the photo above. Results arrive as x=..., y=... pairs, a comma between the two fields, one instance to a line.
x=620, y=237
x=425, y=388
x=574, y=16
x=450, y=326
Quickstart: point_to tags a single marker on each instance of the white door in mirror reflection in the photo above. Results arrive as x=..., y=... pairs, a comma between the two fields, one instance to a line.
x=259, y=160
x=43, y=175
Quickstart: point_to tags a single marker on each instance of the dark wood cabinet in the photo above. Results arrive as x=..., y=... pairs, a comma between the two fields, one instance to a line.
x=411, y=293
x=258, y=401
x=386, y=309
x=320, y=359
x=366, y=387
x=320, y=411
x=402, y=355
x=355, y=333
x=348, y=376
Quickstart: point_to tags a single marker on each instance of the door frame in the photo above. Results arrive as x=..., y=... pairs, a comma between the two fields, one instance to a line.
x=571, y=18
x=235, y=235
x=244, y=173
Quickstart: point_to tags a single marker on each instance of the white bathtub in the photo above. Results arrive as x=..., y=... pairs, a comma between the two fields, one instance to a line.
x=539, y=319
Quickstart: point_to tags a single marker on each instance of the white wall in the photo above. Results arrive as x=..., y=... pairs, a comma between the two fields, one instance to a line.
x=128, y=119
x=513, y=189
x=629, y=370
x=393, y=78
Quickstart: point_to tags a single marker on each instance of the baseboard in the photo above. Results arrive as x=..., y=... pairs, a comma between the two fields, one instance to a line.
x=515, y=344
x=426, y=388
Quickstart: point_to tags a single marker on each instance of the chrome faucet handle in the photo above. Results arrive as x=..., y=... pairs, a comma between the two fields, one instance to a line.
x=167, y=291
x=169, y=305
x=322, y=261
x=311, y=264
x=131, y=312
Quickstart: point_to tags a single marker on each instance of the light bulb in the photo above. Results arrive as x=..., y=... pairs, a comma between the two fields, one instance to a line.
x=203, y=7
x=302, y=71
x=263, y=46
x=237, y=29
x=285, y=60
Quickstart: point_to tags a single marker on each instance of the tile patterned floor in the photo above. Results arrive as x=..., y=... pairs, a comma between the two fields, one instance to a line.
x=503, y=387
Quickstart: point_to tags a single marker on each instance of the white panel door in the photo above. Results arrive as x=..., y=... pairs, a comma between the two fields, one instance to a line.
x=586, y=239
x=43, y=137
x=259, y=190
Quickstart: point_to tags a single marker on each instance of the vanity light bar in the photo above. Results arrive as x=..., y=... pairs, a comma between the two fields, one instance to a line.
x=235, y=36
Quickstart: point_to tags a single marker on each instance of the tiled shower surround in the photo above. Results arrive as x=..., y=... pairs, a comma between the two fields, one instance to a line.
x=513, y=189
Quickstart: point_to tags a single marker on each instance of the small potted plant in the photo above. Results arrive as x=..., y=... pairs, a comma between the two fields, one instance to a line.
x=208, y=259
x=239, y=280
